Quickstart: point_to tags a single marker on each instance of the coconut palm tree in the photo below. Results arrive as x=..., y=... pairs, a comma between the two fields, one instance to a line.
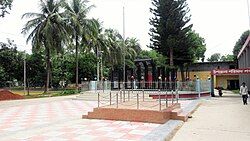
x=114, y=47
x=132, y=48
x=76, y=12
x=47, y=30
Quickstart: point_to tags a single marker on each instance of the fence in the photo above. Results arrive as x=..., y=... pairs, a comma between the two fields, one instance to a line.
x=190, y=86
x=137, y=100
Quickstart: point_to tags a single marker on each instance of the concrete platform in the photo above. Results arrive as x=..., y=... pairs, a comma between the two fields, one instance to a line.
x=127, y=111
x=182, y=95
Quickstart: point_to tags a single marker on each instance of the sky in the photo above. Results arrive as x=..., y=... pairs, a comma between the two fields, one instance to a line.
x=220, y=22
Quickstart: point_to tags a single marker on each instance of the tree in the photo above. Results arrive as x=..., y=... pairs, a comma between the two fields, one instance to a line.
x=158, y=58
x=76, y=13
x=114, y=41
x=214, y=57
x=132, y=49
x=217, y=57
x=198, y=46
x=133, y=43
x=170, y=27
x=5, y=5
x=48, y=31
x=227, y=57
x=239, y=44
x=35, y=69
x=11, y=64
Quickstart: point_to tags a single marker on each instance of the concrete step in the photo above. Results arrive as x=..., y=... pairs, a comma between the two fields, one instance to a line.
x=188, y=110
x=177, y=111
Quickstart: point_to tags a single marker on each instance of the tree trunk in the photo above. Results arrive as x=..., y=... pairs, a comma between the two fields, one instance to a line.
x=76, y=61
x=48, y=69
x=171, y=62
x=28, y=87
x=182, y=73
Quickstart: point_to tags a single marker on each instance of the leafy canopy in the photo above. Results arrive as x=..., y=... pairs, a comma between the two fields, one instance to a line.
x=239, y=44
x=5, y=6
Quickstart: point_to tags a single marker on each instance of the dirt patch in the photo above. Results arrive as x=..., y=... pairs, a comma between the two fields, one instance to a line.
x=7, y=95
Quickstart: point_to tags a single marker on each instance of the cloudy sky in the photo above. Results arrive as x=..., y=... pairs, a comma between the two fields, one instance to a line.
x=220, y=22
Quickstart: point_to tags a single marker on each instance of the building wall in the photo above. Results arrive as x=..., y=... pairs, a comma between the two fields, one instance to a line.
x=219, y=81
x=222, y=81
x=244, y=62
x=203, y=75
x=209, y=66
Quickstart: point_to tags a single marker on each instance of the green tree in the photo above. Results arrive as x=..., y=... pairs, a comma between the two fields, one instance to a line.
x=132, y=49
x=198, y=46
x=35, y=69
x=114, y=56
x=87, y=68
x=170, y=28
x=11, y=64
x=158, y=58
x=2, y=77
x=76, y=13
x=5, y=6
x=48, y=30
x=239, y=44
x=216, y=57
x=134, y=44
x=227, y=57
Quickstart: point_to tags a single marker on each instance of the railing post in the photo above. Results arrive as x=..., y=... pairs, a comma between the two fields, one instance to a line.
x=166, y=98
x=133, y=86
x=110, y=98
x=124, y=97
x=143, y=95
x=176, y=95
x=102, y=86
x=116, y=100
x=128, y=95
x=137, y=101
x=159, y=100
x=98, y=99
x=120, y=95
x=172, y=95
x=124, y=92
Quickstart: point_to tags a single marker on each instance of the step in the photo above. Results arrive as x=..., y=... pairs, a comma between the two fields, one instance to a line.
x=188, y=110
x=176, y=111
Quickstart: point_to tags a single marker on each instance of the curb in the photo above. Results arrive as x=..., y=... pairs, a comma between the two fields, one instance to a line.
x=164, y=132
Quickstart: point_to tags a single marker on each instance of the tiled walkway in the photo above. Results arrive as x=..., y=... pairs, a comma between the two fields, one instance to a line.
x=61, y=121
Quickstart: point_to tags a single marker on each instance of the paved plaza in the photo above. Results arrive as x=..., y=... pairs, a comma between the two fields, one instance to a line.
x=59, y=119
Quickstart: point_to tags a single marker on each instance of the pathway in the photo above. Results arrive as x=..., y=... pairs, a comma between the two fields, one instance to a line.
x=59, y=119
x=218, y=119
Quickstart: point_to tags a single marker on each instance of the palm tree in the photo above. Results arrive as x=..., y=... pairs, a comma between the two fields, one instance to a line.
x=76, y=13
x=46, y=30
x=132, y=48
x=114, y=47
x=133, y=43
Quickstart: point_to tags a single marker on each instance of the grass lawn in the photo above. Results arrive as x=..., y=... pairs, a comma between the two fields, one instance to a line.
x=32, y=92
x=40, y=94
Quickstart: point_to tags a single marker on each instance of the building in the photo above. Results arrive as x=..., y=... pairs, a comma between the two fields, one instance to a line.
x=244, y=62
x=203, y=71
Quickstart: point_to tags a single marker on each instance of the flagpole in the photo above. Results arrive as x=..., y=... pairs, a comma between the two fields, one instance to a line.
x=24, y=73
x=248, y=15
x=124, y=57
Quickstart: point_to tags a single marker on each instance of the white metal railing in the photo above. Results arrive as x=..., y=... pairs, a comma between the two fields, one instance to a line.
x=190, y=86
x=137, y=100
